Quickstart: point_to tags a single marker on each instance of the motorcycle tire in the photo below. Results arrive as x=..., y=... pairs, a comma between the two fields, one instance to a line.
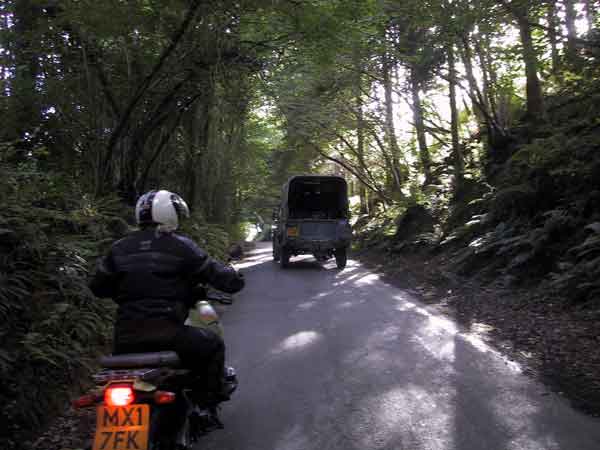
x=166, y=423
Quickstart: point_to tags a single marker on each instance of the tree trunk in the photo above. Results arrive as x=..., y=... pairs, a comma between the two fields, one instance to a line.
x=458, y=158
x=190, y=170
x=571, y=50
x=591, y=13
x=417, y=108
x=360, y=132
x=26, y=109
x=482, y=114
x=535, y=102
x=127, y=183
x=360, y=149
x=490, y=78
x=390, y=131
x=201, y=129
x=496, y=136
x=552, y=37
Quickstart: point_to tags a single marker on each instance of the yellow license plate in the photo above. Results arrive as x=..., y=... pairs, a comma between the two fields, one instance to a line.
x=122, y=427
x=292, y=231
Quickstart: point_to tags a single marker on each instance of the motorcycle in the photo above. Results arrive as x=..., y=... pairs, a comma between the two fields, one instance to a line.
x=143, y=400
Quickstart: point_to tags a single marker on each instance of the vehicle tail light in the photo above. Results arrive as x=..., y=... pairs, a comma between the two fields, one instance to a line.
x=164, y=397
x=118, y=395
x=85, y=401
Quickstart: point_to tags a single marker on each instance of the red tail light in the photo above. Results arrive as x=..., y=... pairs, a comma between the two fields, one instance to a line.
x=85, y=401
x=118, y=396
x=164, y=397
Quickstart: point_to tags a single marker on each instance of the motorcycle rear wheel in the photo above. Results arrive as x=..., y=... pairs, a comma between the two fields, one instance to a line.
x=164, y=432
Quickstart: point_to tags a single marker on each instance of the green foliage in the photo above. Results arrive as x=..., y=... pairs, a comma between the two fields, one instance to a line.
x=513, y=201
x=577, y=277
x=222, y=101
x=214, y=239
x=51, y=328
x=377, y=229
x=238, y=232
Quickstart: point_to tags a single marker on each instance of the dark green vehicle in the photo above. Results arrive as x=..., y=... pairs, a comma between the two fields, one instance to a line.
x=313, y=219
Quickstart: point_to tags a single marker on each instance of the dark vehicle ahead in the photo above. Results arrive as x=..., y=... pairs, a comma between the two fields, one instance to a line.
x=313, y=219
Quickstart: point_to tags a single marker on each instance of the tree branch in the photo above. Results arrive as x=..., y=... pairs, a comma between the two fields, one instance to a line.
x=350, y=169
x=122, y=125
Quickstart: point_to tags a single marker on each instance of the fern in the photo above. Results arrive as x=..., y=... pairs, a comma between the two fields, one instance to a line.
x=51, y=327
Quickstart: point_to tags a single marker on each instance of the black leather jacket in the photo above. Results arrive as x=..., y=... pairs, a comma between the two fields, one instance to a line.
x=152, y=277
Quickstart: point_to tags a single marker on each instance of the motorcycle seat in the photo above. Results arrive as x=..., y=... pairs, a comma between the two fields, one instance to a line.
x=134, y=360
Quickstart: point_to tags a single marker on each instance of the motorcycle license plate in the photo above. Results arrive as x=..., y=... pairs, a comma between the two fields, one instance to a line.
x=122, y=427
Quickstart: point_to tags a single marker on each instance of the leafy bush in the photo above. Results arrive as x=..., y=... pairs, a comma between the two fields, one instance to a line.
x=51, y=328
x=578, y=276
x=513, y=201
x=213, y=238
x=373, y=231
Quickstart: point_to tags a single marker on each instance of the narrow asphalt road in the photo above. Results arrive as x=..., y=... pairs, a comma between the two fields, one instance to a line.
x=332, y=359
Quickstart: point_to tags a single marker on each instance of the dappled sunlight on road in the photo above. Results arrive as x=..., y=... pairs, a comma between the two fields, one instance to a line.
x=411, y=415
x=298, y=341
x=293, y=439
x=375, y=350
x=523, y=442
x=432, y=401
x=255, y=258
x=513, y=411
x=407, y=306
x=441, y=349
x=351, y=266
x=265, y=248
x=345, y=361
x=346, y=280
x=437, y=325
x=251, y=261
x=346, y=305
x=307, y=305
x=368, y=279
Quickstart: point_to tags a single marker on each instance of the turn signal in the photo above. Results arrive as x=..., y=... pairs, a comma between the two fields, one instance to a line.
x=164, y=397
x=118, y=396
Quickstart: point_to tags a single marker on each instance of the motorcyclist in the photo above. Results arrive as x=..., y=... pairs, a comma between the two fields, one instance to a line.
x=152, y=274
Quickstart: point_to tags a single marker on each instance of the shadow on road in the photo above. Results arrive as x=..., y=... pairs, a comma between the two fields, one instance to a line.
x=333, y=359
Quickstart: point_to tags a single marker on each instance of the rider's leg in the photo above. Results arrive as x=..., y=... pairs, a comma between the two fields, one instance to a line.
x=203, y=351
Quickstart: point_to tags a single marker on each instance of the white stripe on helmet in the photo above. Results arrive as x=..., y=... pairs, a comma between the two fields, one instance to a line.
x=163, y=211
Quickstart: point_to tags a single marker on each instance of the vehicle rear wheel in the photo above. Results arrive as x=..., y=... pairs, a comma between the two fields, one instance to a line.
x=341, y=258
x=284, y=257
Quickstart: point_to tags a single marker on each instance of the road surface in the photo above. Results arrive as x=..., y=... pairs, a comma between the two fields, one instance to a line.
x=340, y=360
